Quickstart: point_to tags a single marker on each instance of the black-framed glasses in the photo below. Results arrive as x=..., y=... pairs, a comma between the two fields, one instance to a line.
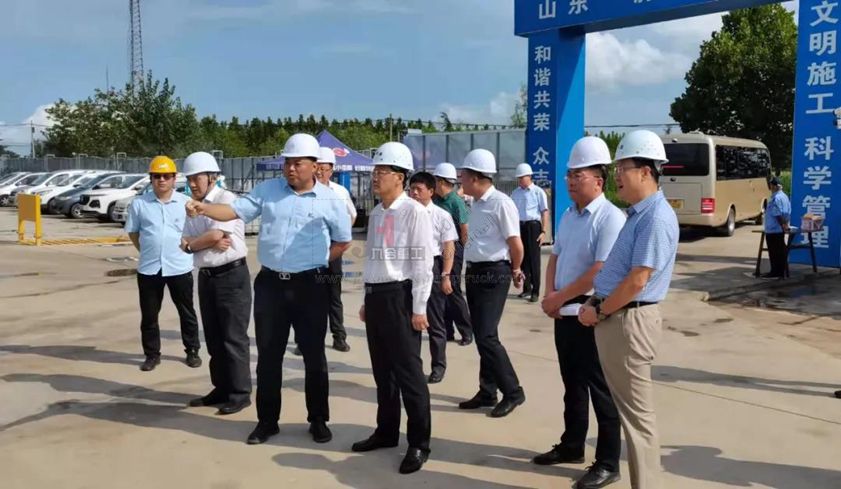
x=162, y=176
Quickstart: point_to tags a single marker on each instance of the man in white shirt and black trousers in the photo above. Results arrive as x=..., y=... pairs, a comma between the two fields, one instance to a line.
x=219, y=252
x=444, y=236
x=493, y=254
x=398, y=279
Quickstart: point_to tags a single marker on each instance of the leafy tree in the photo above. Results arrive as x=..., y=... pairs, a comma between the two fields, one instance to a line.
x=743, y=82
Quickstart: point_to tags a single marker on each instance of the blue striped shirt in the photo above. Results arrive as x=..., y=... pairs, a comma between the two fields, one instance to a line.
x=649, y=239
x=160, y=226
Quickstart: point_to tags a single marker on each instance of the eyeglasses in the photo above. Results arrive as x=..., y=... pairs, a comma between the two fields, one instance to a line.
x=378, y=172
x=577, y=177
x=325, y=168
x=162, y=176
x=626, y=168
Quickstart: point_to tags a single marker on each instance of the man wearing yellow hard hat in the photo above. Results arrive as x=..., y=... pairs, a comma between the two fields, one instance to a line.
x=155, y=224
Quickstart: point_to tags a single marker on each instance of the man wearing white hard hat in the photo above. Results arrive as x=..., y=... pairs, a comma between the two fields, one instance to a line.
x=303, y=227
x=624, y=308
x=583, y=240
x=398, y=282
x=533, y=206
x=493, y=253
x=326, y=165
x=219, y=252
x=456, y=313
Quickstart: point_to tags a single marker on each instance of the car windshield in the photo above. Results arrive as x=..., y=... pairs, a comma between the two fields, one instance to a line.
x=9, y=178
x=39, y=179
x=62, y=180
x=131, y=180
x=86, y=180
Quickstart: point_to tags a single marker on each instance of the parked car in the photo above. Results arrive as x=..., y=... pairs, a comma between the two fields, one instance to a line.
x=99, y=201
x=51, y=189
x=25, y=181
x=8, y=178
x=121, y=207
x=67, y=202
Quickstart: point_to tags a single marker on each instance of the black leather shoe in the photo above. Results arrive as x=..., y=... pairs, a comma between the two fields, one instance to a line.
x=210, y=399
x=413, y=461
x=193, y=360
x=262, y=433
x=559, y=455
x=320, y=432
x=838, y=394
x=297, y=351
x=477, y=402
x=232, y=407
x=597, y=476
x=465, y=341
x=435, y=377
x=523, y=295
x=150, y=363
x=373, y=442
x=533, y=298
x=340, y=344
x=505, y=406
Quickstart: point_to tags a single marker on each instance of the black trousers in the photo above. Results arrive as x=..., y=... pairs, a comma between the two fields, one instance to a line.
x=225, y=304
x=584, y=380
x=777, y=253
x=435, y=315
x=456, y=311
x=529, y=231
x=395, y=359
x=487, y=290
x=300, y=303
x=337, y=311
x=151, y=289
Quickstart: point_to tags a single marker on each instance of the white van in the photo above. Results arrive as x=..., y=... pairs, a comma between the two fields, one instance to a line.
x=715, y=181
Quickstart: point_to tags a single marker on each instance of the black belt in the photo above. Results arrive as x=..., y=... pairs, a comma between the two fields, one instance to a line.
x=488, y=264
x=386, y=286
x=286, y=276
x=533, y=220
x=213, y=271
x=637, y=305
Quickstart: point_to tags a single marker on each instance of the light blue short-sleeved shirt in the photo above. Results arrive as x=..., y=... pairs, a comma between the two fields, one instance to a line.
x=584, y=238
x=778, y=206
x=530, y=202
x=160, y=225
x=295, y=229
x=648, y=239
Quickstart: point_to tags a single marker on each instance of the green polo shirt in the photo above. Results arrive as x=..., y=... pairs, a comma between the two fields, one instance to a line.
x=453, y=204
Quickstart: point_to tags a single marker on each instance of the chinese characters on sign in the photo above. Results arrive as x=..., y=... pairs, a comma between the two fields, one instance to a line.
x=815, y=158
x=541, y=109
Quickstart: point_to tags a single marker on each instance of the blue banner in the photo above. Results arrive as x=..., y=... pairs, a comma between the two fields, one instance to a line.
x=532, y=16
x=816, y=176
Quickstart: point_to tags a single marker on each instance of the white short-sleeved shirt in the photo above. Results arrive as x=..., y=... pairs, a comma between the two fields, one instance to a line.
x=345, y=196
x=493, y=219
x=196, y=226
x=443, y=228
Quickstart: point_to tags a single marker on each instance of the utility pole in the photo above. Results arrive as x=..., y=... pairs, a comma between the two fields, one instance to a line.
x=135, y=44
x=31, y=139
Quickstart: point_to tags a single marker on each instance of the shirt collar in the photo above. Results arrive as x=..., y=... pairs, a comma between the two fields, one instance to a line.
x=487, y=194
x=314, y=190
x=212, y=194
x=645, y=203
x=592, y=207
x=399, y=201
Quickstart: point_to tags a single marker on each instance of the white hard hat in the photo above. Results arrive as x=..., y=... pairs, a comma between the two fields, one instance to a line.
x=480, y=160
x=642, y=144
x=394, y=154
x=301, y=145
x=200, y=162
x=588, y=151
x=326, y=155
x=523, y=170
x=446, y=170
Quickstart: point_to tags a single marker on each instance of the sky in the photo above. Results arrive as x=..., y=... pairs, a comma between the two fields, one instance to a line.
x=342, y=58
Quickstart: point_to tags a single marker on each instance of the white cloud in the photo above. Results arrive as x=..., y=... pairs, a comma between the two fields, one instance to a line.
x=497, y=111
x=17, y=135
x=612, y=63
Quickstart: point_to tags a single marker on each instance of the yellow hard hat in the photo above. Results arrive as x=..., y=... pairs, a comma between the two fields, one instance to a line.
x=162, y=164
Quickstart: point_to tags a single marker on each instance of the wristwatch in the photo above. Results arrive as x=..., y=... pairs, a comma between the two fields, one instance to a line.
x=187, y=249
x=597, y=305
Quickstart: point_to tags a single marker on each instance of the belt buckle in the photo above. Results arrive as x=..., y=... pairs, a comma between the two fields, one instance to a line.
x=284, y=276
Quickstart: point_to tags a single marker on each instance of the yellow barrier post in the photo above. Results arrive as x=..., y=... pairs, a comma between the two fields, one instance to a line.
x=29, y=209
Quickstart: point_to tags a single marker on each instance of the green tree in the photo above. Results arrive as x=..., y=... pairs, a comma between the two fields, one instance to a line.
x=743, y=82
x=520, y=115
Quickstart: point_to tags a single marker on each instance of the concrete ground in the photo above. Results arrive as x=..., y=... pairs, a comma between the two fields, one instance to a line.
x=741, y=400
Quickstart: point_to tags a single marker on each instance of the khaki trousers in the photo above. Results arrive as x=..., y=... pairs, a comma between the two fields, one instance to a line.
x=627, y=344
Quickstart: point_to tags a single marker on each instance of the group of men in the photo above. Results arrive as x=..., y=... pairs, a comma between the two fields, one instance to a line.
x=604, y=280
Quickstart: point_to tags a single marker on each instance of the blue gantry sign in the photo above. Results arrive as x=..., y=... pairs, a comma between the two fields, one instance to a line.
x=556, y=31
